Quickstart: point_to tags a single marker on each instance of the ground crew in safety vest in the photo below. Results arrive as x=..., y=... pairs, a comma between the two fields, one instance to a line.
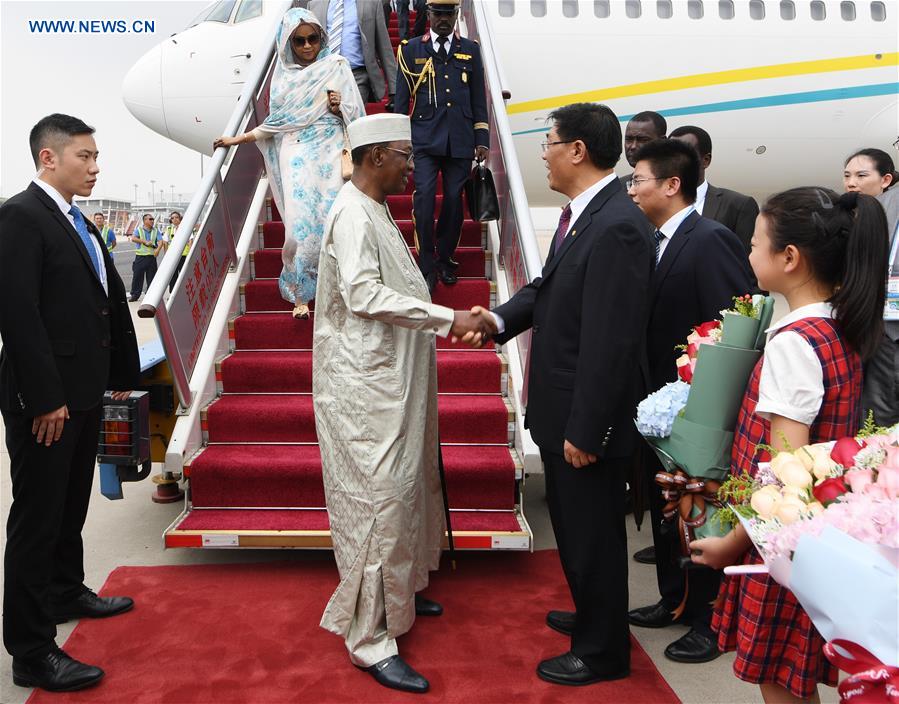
x=106, y=232
x=168, y=237
x=149, y=241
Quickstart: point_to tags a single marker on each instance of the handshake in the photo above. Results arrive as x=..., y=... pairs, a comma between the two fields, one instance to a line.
x=474, y=327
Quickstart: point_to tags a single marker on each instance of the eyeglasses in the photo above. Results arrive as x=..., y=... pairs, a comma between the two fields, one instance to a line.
x=311, y=40
x=408, y=154
x=547, y=145
x=634, y=182
x=442, y=12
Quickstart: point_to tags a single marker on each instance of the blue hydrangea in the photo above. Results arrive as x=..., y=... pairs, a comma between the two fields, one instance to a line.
x=656, y=412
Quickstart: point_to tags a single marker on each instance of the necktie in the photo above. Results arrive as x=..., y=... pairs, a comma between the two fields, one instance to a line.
x=562, y=229
x=336, y=33
x=86, y=239
x=658, y=236
x=442, y=50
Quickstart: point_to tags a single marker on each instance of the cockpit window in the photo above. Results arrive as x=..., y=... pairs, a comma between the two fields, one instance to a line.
x=248, y=10
x=221, y=12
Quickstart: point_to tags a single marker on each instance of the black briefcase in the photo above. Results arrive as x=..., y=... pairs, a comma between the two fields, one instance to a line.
x=483, y=204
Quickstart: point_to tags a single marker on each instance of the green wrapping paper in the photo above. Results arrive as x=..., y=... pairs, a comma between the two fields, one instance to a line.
x=702, y=436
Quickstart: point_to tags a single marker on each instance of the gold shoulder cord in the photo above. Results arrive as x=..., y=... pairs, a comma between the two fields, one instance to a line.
x=415, y=79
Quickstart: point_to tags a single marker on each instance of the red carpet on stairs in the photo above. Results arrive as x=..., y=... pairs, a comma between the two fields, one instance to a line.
x=259, y=434
x=248, y=633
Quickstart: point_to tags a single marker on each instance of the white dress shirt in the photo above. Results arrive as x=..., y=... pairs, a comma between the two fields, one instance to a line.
x=792, y=381
x=578, y=204
x=702, y=190
x=436, y=39
x=670, y=227
x=64, y=206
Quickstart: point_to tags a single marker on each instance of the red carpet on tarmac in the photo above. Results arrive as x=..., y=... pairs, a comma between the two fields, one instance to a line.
x=249, y=633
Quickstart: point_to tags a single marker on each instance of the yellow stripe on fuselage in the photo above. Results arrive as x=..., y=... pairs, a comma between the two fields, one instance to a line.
x=701, y=80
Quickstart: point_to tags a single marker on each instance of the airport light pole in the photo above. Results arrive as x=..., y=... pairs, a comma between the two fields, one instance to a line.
x=153, y=192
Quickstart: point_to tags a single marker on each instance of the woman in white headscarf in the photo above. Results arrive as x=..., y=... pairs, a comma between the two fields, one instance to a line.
x=313, y=97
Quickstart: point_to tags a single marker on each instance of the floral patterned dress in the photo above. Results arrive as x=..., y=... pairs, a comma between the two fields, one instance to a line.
x=301, y=142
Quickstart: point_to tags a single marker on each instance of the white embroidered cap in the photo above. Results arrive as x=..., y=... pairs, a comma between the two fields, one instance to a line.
x=376, y=129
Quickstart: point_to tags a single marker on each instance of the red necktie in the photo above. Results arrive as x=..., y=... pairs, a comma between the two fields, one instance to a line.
x=562, y=229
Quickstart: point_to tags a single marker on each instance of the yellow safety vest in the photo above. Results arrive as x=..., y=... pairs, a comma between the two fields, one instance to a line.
x=142, y=249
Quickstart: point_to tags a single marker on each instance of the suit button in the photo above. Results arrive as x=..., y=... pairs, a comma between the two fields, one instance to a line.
x=447, y=90
x=449, y=105
x=104, y=343
x=535, y=328
x=105, y=311
x=446, y=75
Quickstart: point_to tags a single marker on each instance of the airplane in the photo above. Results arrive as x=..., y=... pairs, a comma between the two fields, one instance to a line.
x=786, y=88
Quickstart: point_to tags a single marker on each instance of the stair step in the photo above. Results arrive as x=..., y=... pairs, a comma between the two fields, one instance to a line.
x=472, y=262
x=477, y=371
x=290, y=476
x=279, y=331
x=263, y=295
x=261, y=528
x=472, y=232
x=290, y=418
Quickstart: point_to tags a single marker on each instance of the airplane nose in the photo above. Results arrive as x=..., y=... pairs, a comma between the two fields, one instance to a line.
x=142, y=91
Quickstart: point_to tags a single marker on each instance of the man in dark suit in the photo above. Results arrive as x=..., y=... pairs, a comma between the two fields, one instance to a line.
x=587, y=314
x=440, y=85
x=421, y=17
x=701, y=266
x=733, y=210
x=67, y=337
x=641, y=129
x=357, y=31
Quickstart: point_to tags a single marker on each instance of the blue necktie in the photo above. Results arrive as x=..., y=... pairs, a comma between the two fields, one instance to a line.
x=85, y=237
x=659, y=236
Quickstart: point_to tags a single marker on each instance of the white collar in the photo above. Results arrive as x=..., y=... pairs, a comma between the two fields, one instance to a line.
x=822, y=309
x=61, y=202
x=435, y=38
x=701, y=191
x=674, y=222
x=580, y=201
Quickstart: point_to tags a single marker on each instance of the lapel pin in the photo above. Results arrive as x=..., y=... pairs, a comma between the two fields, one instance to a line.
x=574, y=233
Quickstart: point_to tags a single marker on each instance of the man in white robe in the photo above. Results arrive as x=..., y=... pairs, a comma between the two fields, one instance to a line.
x=375, y=395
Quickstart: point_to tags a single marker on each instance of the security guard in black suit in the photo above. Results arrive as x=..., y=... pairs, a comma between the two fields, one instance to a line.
x=440, y=85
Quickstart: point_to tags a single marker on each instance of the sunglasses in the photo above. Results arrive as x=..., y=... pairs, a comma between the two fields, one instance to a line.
x=311, y=40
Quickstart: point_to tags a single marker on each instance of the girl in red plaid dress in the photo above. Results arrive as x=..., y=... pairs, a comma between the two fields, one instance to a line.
x=827, y=255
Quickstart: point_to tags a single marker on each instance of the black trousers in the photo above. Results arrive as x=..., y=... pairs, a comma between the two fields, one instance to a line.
x=421, y=17
x=586, y=507
x=703, y=582
x=142, y=267
x=454, y=172
x=44, y=558
x=177, y=271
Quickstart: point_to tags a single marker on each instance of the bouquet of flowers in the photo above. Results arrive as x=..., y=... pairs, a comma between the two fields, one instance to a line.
x=689, y=423
x=825, y=519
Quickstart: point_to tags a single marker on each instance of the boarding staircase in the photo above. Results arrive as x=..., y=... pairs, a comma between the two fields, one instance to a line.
x=253, y=466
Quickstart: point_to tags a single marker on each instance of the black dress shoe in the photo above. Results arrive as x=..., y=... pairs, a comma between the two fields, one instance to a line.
x=561, y=621
x=448, y=277
x=133, y=299
x=426, y=607
x=55, y=672
x=89, y=605
x=692, y=647
x=569, y=669
x=431, y=281
x=646, y=556
x=653, y=616
x=394, y=672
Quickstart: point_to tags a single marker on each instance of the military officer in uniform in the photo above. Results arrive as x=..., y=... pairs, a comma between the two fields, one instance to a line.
x=440, y=85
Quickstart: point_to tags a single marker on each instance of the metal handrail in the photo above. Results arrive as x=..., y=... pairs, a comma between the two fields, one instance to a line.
x=152, y=305
x=526, y=235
